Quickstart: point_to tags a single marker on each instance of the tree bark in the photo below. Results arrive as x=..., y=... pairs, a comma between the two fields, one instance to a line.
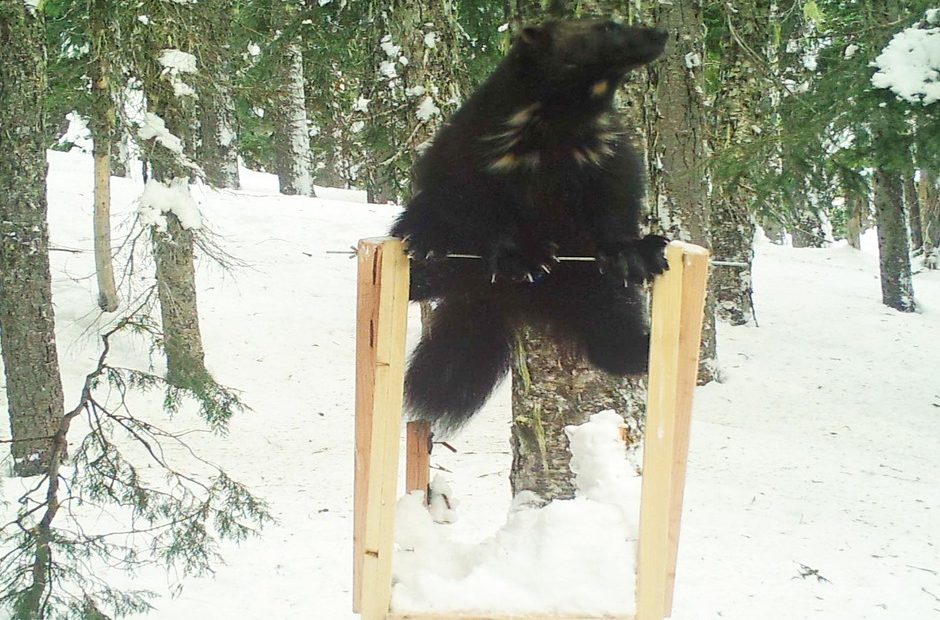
x=552, y=386
x=897, y=289
x=102, y=130
x=173, y=247
x=738, y=104
x=421, y=75
x=217, y=127
x=291, y=130
x=912, y=203
x=853, y=223
x=930, y=216
x=677, y=149
x=807, y=230
x=27, y=322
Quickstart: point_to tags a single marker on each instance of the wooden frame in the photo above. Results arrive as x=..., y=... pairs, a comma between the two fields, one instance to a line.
x=381, y=325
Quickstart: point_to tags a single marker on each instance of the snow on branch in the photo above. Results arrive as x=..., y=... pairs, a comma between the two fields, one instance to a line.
x=910, y=64
x=159, y=199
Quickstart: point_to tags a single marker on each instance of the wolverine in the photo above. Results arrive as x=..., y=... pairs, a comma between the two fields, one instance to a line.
x=536, y=165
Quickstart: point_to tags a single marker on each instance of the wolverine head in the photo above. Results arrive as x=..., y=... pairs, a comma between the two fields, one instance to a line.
x=593, y=51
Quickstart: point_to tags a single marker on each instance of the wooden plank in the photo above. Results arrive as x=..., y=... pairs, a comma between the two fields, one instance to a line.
x=694, y=290
x=382, y=313
x=458, y=616
x=673, y=368
x=418, y=458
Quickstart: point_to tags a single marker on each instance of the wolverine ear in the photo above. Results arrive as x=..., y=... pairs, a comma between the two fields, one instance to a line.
x=536, y=36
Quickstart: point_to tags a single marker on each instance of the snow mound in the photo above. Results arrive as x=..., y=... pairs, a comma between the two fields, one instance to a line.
x=565, y=557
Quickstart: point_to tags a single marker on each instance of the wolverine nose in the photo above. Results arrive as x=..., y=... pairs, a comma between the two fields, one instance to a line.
x=659, y=35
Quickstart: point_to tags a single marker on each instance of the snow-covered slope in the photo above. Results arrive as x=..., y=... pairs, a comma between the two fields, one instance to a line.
x=817, y=453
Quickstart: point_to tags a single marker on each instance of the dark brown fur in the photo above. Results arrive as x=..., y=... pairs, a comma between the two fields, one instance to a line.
x=533, y=166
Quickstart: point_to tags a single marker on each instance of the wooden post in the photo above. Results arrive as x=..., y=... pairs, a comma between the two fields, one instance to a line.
x=418, y=458
x=678, y=305
x=381, y=325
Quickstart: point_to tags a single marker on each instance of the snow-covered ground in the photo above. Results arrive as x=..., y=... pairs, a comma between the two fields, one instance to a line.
x=817, y=455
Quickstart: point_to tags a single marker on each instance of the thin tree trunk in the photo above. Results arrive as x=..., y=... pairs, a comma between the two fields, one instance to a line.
x=930, y=206
x=102, y=129
x=897, y=289
x=738, y=106
x=853, y=223
x=930, y=216
x=217, y=125
x=808, y=230
x=176, y=282
x=173, y=246
x=291, y=137
x=27, y=323
x=912, y=202
x=677, y=148
x=218, y=153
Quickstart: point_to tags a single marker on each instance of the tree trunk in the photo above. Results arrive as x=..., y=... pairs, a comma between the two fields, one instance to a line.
x=421, y=76
x=218, y=154
x=27, y=324
x=930, y=206
x=853, y=222
x=552, y=386
x=737, y=105
x=176, y=282
x=912, y=203
x=102, y=131
x=173, y=246
x=807, y=230
x=219, y=158
x=291, y=130
x=930, y=216
x=897, y=290
x=677, y=149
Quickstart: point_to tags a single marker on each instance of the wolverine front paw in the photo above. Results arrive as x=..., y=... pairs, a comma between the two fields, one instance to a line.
x=422, y=248
x=506, y=260
x=637, y=260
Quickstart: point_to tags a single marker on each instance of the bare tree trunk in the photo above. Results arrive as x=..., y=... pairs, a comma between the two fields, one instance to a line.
x=421, y=77
x=737, y=107
x=176, y=282
x=173, y=246
x=219, y=157
x=27, y=323
x=912, y=203
x=102, y=129
x=897, y=289
x=677, y=149
x=930, y=206
x=853, y=224
x=553, y=387
x=218, y=154
x=808, y=231
x=930, y=216
x=291, y=133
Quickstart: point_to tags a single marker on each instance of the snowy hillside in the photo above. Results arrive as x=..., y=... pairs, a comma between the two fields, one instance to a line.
x=814, y=481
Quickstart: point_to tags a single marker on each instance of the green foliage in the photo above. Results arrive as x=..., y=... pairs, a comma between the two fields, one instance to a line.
x=131, y=470
x=830, y=125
